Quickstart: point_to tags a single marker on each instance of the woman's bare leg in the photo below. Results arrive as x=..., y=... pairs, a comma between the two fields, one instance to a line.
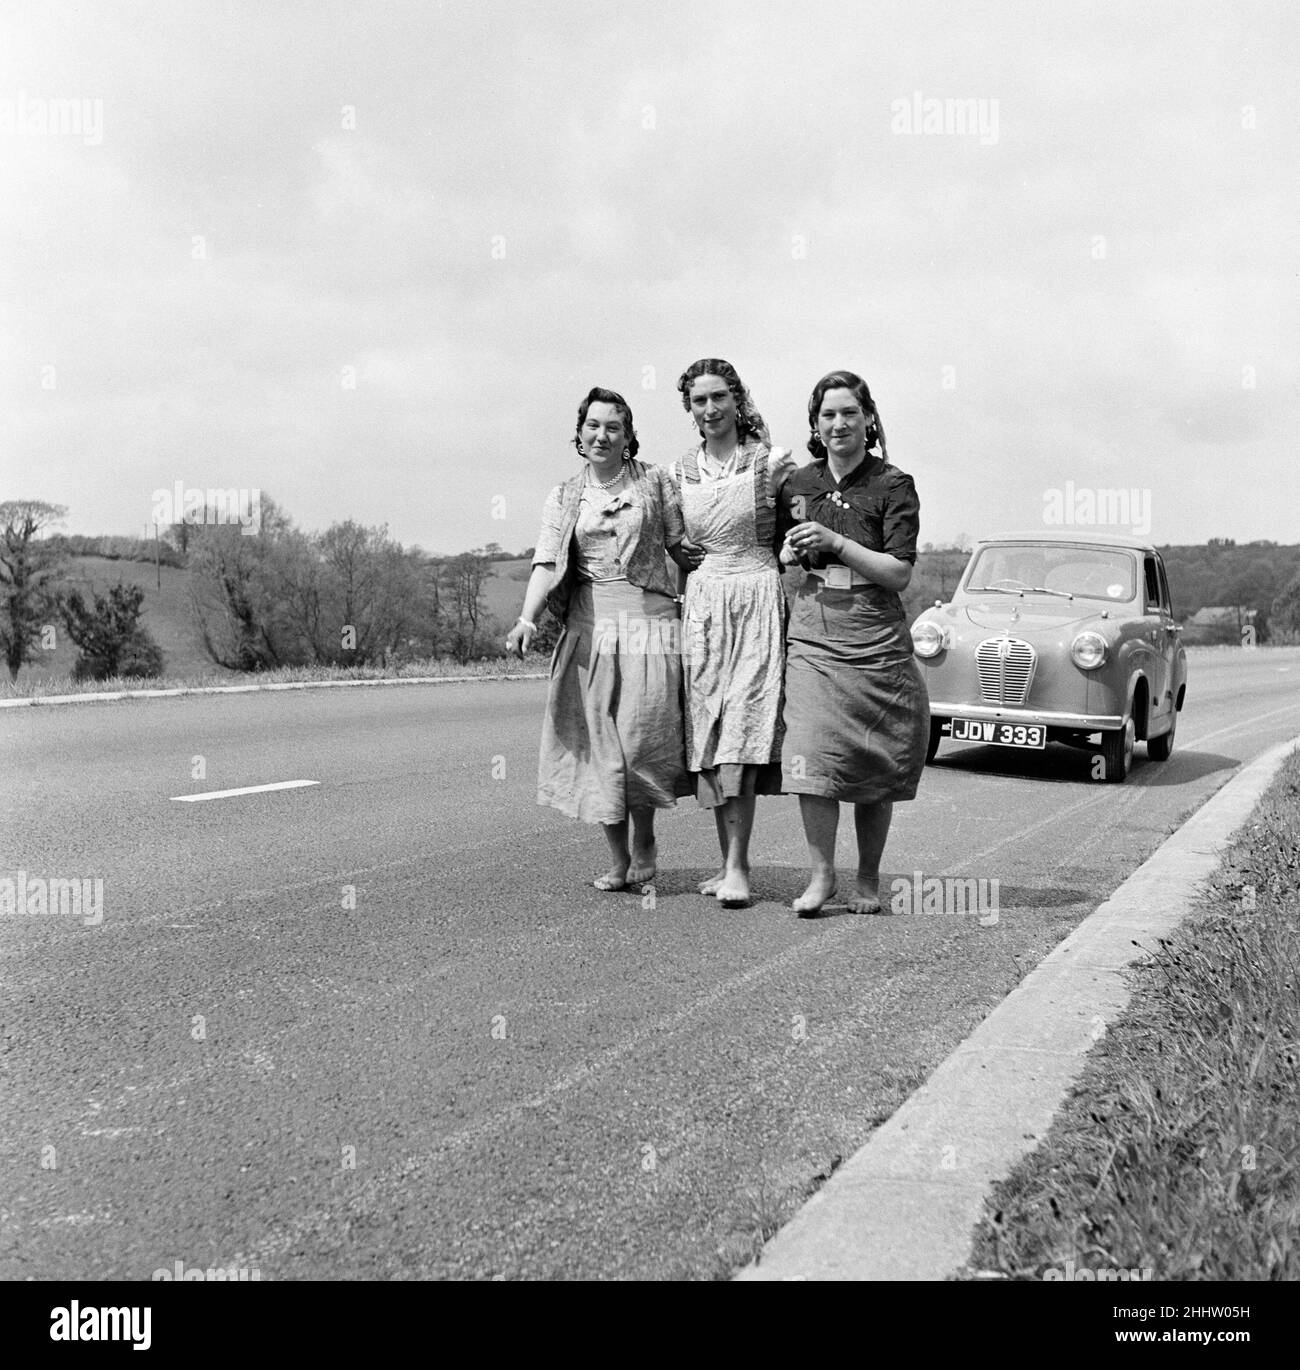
x=737, y=817
x=616, y=877
x=821, y=821
x=872, y=822
x=637, y=865
x=710, y=886
x=644, y=863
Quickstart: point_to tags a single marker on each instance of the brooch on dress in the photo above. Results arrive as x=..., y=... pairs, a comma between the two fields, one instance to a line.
x=838, y=500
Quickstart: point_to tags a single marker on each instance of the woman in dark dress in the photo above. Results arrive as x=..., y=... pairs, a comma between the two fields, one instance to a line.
x=857, y=719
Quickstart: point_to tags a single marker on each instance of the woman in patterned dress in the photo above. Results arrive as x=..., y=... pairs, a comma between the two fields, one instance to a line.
x=612, y=737
x=857, y=717
x=733, y=618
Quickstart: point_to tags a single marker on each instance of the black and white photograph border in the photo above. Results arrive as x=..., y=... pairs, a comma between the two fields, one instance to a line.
x=451, y=448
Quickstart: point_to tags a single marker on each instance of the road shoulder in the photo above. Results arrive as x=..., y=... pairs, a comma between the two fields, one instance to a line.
x=905, y=1206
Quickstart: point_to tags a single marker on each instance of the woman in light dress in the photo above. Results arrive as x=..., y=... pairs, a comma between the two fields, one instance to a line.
x=733, y=618
x=612, y=738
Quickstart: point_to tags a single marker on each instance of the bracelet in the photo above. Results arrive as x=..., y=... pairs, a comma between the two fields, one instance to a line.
x=527, y=622
x=839, y=550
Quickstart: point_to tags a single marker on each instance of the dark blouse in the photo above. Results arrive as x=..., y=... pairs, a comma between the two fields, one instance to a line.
x=876, y=506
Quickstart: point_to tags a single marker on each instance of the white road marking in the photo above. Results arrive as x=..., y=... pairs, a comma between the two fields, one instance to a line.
x=247, y=789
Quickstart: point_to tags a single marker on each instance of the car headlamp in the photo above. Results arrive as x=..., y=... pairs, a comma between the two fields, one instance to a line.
x=928, y=639
x=1088, y=651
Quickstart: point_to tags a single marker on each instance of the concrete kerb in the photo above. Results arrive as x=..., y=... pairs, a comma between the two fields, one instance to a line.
x=109, y=695
x=905, y=1206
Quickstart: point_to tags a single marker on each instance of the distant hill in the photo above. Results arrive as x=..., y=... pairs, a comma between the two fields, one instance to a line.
x=503, y=592
x=168, y=619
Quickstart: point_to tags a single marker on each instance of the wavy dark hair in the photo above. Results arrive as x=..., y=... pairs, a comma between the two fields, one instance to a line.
x=599, y=395
x=749, y=422
x=845, y=380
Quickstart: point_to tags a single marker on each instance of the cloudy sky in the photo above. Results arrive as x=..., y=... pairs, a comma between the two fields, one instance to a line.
x=366, y=258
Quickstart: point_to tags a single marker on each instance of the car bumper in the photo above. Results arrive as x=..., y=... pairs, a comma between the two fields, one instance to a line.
x=1086, y=723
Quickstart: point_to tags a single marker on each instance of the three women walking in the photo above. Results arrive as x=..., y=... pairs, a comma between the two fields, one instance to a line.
x=841, y=717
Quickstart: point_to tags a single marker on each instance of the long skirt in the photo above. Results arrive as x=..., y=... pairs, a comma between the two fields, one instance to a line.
x=613, y=737
x=733, y=633
x=857, y=715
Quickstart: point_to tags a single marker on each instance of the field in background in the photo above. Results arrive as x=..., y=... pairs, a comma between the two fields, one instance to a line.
x=168, y=619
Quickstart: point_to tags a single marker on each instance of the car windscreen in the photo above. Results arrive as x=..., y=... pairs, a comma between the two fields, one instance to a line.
x=1086, y=572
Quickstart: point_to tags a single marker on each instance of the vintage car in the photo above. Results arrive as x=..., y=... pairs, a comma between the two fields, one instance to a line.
x=1056, y=637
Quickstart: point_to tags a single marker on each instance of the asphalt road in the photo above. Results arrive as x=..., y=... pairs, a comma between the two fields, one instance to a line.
x=486, y=1068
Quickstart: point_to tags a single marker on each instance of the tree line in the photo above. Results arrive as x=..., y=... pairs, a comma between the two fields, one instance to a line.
x=353, y=596
x=280, y=597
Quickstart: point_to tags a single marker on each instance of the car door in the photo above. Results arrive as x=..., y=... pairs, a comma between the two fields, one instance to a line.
x=1159, y=622
x=1173, y=638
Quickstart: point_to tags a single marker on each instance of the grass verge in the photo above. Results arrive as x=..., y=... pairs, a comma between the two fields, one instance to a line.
x=1178, y=1152
x=510, y=666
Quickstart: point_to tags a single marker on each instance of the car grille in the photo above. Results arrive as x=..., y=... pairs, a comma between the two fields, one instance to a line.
x=1006, y=670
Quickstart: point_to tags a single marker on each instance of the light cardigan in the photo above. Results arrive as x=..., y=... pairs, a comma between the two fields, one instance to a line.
x=661, y=528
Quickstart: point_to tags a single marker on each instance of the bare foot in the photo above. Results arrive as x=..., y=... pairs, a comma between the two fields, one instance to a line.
x=710, y=886
x=866, y=896
x=643, y=868
x=820, y=889
x=613, y=881
x=733, y=891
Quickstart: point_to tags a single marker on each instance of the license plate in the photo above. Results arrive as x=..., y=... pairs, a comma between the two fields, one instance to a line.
x=999, y=734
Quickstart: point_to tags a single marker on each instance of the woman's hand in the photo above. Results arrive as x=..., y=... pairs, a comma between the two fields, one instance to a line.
x=807, y=538
x=519, y=638
x=688, y=555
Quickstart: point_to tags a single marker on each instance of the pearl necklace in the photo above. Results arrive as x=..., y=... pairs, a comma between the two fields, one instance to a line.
x=605, y=484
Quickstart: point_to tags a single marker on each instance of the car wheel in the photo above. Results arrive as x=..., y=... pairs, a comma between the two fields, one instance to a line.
x=936, y=732
x=1159, y=748
x=1117, y=753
